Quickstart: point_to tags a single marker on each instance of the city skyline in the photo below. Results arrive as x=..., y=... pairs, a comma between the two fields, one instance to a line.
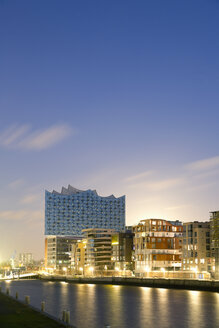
x=107, y=96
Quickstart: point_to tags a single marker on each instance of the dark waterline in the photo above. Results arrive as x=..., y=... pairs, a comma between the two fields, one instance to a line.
x=93, y=306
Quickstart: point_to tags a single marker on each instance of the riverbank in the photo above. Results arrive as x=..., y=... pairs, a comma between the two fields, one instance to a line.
x=14, y=314
x=188, y=284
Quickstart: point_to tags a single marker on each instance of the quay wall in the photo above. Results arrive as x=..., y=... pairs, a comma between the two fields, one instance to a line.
x=190, y=284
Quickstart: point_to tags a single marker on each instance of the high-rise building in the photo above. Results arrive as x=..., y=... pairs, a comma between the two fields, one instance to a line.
x=72, y=210
x=98, y=250
x=157, y=245
x=196, y=253
x=122, y=251
x=77, y=251
x=214, y=224
x=58, y=252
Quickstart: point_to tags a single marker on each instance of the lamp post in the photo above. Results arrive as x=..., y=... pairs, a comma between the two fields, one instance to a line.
x=195, y=271
x=91, y=269
x=82, y=271
x=65, y=270
x=117, y=270
x=147, y=269
x=163, y=270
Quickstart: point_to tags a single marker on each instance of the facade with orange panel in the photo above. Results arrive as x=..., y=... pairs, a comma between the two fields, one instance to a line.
x=157, y=245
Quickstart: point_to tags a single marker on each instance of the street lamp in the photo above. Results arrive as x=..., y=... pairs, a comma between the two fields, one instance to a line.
x=117, y=269
x=195, y=271
x=163, y=270
x=81, y=269
x=147, y=269
x=105, y=269
x=91, y=269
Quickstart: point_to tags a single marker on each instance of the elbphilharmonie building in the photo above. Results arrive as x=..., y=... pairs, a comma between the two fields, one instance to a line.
x=69, y=212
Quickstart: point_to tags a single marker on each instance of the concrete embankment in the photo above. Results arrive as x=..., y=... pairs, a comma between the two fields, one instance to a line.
x=190, y=284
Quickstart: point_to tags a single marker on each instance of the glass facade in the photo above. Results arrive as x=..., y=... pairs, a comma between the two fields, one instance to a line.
x=72, y=210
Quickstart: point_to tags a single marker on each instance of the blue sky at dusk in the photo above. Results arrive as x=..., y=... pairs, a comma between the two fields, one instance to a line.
x=118, y=96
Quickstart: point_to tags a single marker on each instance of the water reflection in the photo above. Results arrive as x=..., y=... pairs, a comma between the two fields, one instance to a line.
x=83, y=303
x=93, y=306
x=162, y=297
x=194, y=309
x=200, y=313
x=8, y=281
x=115, y=305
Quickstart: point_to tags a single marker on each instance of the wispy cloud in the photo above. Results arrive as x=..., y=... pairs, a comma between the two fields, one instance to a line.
x=29, y=199
x=201, y=175
x=22, y=137
x=139, y=176
x=202, y=186
x=174, y=208
x=204, y=164
x=159, y=185
x=21, y=215
x=13, y=134
x=47, y=138
x=166, y=184
x=16, y=184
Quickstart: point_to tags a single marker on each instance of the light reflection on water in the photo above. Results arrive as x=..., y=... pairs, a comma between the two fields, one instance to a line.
x=93, y=306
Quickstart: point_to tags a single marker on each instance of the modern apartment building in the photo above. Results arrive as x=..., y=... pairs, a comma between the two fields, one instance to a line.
x=122, y=251
x=98, y=250
x=157, y=246
x=214, y=224
x=77, y=253
x=58, y=252
x=72, y=210
x=196, y=254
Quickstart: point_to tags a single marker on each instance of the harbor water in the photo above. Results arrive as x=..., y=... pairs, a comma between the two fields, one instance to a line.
x=96, y=306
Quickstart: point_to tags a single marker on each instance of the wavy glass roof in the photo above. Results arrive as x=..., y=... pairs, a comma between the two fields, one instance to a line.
x=71, y=190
